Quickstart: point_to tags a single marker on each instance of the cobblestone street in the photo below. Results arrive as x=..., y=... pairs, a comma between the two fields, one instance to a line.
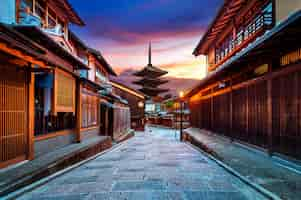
x=152, y=165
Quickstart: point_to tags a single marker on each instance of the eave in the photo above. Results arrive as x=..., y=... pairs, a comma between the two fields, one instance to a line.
x=43, y=39
x=102, y=61
x=91, y=84
x=272, y=42
x=152, y=91
x=225, y=14
x=72, y=15
x=151, y=81
x=127, y=89
x=151, y=71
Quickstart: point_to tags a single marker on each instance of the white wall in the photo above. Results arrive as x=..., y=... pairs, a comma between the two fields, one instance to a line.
x=8, y=11
x=284, y=8
x=91, y=72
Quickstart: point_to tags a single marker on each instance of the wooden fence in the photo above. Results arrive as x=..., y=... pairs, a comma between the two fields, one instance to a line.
x=121, y=121
x=265, y=112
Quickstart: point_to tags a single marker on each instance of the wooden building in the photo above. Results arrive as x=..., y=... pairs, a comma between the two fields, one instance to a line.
x=136, y=102
x=251, y=93
x=52, y=86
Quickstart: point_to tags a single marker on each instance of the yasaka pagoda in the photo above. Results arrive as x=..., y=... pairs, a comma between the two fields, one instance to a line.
x=150, y=78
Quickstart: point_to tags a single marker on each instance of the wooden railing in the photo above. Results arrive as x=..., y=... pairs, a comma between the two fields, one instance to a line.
x=245, y=36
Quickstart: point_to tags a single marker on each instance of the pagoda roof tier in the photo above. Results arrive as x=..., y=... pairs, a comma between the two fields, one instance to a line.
x=152, y=92
x=151, y=71
x=150, y=81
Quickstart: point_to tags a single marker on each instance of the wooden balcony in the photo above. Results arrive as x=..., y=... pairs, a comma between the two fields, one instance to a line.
x=245, y=36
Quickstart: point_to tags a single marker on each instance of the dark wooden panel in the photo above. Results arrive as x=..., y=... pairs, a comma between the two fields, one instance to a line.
x=257, y=114
x=286, y=114
x=239, y=114
x=221, y=115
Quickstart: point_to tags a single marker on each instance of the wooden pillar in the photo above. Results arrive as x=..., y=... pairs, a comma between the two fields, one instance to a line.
x=231, y=111
x=270, y=113
x=212, y=110
x=31, y=114
x=247, y=112
x=78, y=111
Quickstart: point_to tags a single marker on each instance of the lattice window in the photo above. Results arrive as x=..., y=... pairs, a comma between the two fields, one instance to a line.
x=89, y=111
x=64, y=92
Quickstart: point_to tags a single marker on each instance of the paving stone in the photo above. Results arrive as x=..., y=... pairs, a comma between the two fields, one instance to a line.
x=92, y=187
x=139, y=185
x=121, y=196
x=201, y=195
x=257, y=167
x=75, y=180
x=151, y=166
x=57, y=197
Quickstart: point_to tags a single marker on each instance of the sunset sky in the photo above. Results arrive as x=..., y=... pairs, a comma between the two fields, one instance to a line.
x=122, y=29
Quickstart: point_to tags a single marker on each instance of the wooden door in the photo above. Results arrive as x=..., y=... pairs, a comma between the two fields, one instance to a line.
x=13, y=115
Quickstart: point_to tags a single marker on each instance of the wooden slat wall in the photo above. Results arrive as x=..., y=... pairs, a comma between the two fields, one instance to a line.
x=250, y=112
x=257, y=115
x=221, y=113
x=13, y=105
x=239, y=125
x=121, y=121
x=286, y=114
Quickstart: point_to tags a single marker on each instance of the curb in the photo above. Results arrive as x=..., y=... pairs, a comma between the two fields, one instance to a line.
x=125, y=137
x=255, y=186
x=43, y=181
x=56, y=166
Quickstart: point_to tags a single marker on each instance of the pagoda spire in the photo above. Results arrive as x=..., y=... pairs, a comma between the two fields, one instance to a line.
x=150, y=54
x=150, y=77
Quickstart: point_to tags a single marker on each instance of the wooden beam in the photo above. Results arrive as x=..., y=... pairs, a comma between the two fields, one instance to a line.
x=19, y=54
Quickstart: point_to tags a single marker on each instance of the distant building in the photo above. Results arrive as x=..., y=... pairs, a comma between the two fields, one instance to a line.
x=150, y=78
x=251, y=94
x=136, y=102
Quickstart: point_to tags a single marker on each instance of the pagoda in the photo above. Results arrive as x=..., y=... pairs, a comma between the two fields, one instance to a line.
x=150, y=78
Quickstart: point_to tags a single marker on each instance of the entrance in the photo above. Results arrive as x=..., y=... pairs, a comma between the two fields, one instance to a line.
x=13, y=116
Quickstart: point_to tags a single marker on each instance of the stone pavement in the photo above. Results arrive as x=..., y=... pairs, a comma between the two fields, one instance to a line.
x=151, y=165
x=25, y=173
x=258, y=167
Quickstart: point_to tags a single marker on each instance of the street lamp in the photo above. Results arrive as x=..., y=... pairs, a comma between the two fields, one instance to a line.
x=141, y=105
x=181, y=95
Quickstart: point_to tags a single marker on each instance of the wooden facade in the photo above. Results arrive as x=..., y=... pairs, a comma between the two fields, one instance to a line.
x=136, y=101
x=254, y=98
x=13, y=115
x=45, y=95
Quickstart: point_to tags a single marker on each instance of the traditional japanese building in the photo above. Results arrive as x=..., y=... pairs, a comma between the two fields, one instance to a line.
x=150, y=78
x=251, y=93
x=52, y=85
x=136, y=102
